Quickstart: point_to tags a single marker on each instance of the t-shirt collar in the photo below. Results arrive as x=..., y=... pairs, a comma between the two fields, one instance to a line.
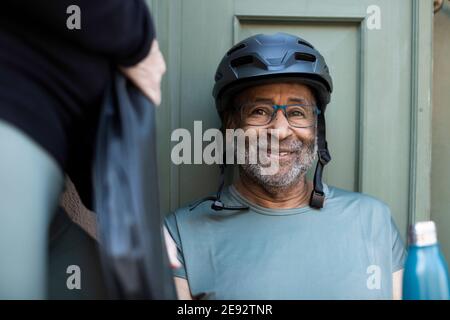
x=276, y=212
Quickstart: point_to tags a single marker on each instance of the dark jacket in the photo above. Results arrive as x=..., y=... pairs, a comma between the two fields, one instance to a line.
x=52, y=79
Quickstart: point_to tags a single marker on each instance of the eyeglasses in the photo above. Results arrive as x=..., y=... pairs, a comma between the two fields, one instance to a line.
x=261, y=114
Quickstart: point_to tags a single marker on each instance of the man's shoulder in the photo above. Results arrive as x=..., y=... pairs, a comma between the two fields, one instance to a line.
x=363, y=201
x=189, y=213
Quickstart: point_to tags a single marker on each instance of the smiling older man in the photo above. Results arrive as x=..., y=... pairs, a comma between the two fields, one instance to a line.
x=280, y=236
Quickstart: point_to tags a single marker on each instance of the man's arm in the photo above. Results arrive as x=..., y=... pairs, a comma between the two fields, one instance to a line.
x=183, y=291
x=181, y=284
x=397, y=283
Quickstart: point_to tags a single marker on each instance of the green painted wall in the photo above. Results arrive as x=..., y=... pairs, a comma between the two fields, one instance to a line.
x=440, y=172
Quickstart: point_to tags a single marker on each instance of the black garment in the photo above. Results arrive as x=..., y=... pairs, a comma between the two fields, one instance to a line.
x=52, y=79
x=69, y=244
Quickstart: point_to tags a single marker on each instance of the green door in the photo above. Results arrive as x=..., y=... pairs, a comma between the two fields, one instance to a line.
x=378, y=120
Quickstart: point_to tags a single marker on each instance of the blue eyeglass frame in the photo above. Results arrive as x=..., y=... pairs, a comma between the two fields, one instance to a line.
x=283, y=107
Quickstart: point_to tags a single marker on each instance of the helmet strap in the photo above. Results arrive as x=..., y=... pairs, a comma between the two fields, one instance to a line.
x=318, y=196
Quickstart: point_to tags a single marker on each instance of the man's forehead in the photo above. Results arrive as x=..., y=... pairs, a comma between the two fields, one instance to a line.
x=296, y=92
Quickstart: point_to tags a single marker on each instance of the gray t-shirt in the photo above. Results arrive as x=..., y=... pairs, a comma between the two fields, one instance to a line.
x=347, y=250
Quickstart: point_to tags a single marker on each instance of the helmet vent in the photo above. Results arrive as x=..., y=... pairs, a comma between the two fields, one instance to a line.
x=241, y=61
x=305, y=44
x=305, y=57
x=236, y=48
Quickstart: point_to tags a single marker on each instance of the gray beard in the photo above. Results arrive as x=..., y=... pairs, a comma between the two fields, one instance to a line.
x=285, y=177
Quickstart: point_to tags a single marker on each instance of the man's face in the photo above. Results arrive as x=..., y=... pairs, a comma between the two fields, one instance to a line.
x=297, y=146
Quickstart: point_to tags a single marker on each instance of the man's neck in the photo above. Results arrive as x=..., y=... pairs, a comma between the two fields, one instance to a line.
x=294, y=196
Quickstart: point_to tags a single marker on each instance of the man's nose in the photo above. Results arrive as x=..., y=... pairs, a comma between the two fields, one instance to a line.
x=281, y=124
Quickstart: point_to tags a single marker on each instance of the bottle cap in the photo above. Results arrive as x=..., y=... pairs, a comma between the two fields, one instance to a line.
x=423, y=234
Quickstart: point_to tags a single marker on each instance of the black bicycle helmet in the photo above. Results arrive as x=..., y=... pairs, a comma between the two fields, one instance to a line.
x=279, y=57
x=271, y=58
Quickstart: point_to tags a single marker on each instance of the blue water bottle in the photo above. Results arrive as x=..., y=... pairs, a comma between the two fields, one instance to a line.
x=426, y=274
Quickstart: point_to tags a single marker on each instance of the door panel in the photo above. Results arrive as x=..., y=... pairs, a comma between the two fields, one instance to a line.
x=339, y=44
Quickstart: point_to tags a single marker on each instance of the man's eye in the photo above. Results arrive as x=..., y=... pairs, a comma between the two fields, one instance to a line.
x=296, y=113
x=259, y=112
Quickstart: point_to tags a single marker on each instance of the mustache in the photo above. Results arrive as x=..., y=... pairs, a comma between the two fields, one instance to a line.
x=292, y=145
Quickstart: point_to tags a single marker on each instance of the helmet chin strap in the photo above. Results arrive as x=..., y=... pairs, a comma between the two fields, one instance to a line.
x=318, y=196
